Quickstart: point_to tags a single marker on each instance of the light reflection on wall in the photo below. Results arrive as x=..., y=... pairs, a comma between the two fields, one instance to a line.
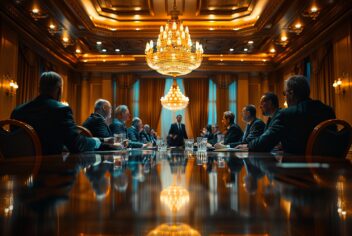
x=174, y=229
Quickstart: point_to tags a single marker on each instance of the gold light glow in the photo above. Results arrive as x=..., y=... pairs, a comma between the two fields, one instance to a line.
x=173, y=230
x=175, y=197
x=174, y=99
x=174, y=53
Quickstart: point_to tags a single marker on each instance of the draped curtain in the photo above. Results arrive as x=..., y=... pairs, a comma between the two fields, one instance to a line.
x=150, y=92
x=123, y=89
x=223, y=82
x=28, y=75
x=323, y=76
x=197, y=90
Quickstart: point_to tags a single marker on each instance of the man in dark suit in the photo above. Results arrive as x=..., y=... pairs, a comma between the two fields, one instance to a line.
x=134, y=133
x=269, y=104
x=254, y=128
x=213, y=138
x=52, y=120
x=233, y=132
x=177, y=133
x=292, y=126
x=97, y=121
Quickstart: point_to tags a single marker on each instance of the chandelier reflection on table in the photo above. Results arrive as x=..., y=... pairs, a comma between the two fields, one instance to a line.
x=174, y=53
x=174, y=197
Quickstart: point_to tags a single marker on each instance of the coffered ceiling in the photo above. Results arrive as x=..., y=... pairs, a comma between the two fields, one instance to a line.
x=113, y=33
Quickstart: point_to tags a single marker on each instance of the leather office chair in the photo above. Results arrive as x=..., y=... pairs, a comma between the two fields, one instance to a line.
x=84, y=131
x=327, y=139
x=19, y=140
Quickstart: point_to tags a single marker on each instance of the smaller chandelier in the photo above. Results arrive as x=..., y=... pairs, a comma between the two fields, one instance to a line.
x=174, y=99
x=174, y=53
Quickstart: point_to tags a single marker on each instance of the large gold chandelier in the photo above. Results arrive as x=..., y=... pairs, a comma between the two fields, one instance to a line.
x=174, y=53
x=174, y=99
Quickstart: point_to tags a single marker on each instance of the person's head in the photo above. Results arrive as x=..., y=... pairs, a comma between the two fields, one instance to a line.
x=103, y=108
x=214, y=128
x=269, y=103
x=137, y=123
x=153, y=132
x=249, y=113
x=122, y=113
x=296, y=89
x=228, y=118
x=50, y=84
x=208, y=128
x=147, y=128
x=179, y=118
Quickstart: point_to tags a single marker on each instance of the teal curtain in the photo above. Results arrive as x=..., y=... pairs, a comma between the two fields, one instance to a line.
x=135, y=100
x=233, y=98
x=212, y=103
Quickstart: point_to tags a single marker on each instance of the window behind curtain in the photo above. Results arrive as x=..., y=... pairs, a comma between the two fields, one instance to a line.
x=233, y=98
x=135, y=102
x=212, y=103
x=307, y=69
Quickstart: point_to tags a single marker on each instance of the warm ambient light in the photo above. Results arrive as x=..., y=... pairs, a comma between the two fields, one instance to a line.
x=13, y=86
x=231, y=49
x=312, y=13
x=337, y=83
x=250, y=42
x=296, y=28
x=99, y=42
x=272, y=50
x=104, y=50
x=174, y=53
x=175, y=197
x=117, y=50
x=174, y=99
x=174, y=229
x=78, y=50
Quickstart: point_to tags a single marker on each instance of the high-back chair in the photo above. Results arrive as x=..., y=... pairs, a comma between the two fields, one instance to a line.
x=19, y=140
x=328, y=139
x=84, y=131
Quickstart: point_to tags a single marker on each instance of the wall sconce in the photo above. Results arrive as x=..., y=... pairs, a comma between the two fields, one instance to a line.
x=338, y=85
x=13, y=86
x=313, y=12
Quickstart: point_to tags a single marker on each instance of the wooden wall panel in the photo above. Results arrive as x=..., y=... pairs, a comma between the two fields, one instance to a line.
x=242, y=96
x=8, y=69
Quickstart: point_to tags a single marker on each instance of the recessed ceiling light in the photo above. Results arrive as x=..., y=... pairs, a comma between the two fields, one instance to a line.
x=211, y=16
x=264, y=60
x=137, y=29
x=283, y=38
x=298, y=25
x=241, y=59
x=245, y=49
x=137, y=8
x=313, y=9
x=98, y=42
x=272, y=50
x=231, y=49
x=104, y=60
x=103, y=50
x=250, y=42
x=236, y=29
x=117, y=50
x=65, y=39
x=52, y=26
x=78, y=50
x=136, y=16
x=211, y=28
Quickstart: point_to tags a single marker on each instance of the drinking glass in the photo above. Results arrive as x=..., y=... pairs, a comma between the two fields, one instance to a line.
x=162, y=147
x=220, y=138
x=189, y=144
x=119, y=138
x=202, y=147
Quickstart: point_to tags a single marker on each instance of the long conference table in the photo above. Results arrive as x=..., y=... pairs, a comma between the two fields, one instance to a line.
x=146, y=192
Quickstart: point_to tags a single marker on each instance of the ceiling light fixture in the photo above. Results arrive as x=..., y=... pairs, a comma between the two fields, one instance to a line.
x=296, y=28
x=312, y=13
x=174, y=53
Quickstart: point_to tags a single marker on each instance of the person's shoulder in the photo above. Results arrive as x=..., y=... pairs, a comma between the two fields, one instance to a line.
x=116, y=122
x=258, y=122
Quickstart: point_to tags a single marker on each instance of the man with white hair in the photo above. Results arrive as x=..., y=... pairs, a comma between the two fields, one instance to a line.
x=97, y=121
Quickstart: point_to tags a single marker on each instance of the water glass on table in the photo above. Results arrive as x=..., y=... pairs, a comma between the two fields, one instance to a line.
x=189, y=144
x=119, y=138
x=202, y=146
x=161, y=144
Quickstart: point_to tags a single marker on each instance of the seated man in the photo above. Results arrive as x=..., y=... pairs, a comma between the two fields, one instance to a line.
x=147, y=136
x=269, y=104
x=52, y=120
x=233, y=131
x=96, y=122
x=292, y=126
x=134, y=132
x=213, y=138
x=177, y=133
x=254, y=128
x=118, y=125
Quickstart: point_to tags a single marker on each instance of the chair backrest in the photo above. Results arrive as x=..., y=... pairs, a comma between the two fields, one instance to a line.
x=327, y=139
x=20, y=140
x=84, y=131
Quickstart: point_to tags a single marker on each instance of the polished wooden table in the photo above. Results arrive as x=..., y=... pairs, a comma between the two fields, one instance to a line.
x=144, y=192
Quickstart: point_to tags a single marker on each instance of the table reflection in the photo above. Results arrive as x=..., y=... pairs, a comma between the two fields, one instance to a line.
x=150, y=193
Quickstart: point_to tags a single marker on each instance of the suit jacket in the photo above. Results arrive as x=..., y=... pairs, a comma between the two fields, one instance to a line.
x=213, y=138
x=181, y=135
x=134, y=136
x=292, y=126
x=118, y=127
x=54, y=125
x=268, y=123
x=252, y=131
x=97, y=126
x=233, y=134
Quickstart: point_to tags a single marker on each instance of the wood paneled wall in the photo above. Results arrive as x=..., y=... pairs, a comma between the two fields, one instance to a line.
x=8, y=69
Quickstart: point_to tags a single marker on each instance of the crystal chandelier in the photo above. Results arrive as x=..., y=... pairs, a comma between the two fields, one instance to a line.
x=174, y=53
x=174, y=99
x=174, y=197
